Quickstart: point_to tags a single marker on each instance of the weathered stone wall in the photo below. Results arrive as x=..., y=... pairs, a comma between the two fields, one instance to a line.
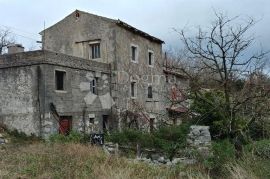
x=17, y=99
x=64, y=35
x=76, y=100
x=115, y=43
x=27, y=87
x=199, y=138
x=142, y=73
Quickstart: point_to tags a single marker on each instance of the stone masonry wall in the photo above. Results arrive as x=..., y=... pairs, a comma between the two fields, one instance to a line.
x=77, y=99
x=143, y=74
x=27, y=87
x=71, y=36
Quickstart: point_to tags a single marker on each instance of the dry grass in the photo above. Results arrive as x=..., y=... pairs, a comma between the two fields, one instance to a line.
x=43, y=160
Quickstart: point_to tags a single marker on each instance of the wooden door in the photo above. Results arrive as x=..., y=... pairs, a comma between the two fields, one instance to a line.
x=64, y=125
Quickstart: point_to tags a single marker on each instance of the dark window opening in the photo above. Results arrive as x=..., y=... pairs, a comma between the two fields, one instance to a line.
x=150, y=92
x=77, y=14
x=150, y=58
x=132, y=89
x=151, y=124
x=60, y=80
x=105, y=123
x=133, y=53
x=93, y=86
x=95, y=50
x=92, y=120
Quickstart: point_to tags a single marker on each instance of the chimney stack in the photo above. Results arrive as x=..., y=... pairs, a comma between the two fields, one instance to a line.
x=15, y=48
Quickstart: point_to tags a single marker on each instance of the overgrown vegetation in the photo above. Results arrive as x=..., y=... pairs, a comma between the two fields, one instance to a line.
x=167, y=139
x=73, y=137
x=79, y=161
x=71, y=160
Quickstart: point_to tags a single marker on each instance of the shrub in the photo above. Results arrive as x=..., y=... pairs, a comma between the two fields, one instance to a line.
x=130, y=137
x=223, y=153
x=73, y=137
x=166, y=139
x=210, y=106
x=21, y=137
x=260, y=148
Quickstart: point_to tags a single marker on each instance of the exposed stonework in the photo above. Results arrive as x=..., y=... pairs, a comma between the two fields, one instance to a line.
x=199, y=136
x=96, y=92
x=200, y=139
x=27, y=87
x=73, y=35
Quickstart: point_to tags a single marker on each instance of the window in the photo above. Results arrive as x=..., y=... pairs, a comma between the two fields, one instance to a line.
x=94, y=51
x=134, y=53
x=150, y=92
x=60, y=80
x=91, y=120
x=150, y=58
x=151, y=124
x=93, y=86
x=133, y=89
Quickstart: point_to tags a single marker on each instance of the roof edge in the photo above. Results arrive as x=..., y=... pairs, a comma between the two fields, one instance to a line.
x=137, y=31
x=117, y=22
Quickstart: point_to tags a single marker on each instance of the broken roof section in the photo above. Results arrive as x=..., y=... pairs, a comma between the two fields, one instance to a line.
x=120, y=24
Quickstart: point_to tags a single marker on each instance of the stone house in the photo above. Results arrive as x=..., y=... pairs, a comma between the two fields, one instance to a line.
x=92, y=75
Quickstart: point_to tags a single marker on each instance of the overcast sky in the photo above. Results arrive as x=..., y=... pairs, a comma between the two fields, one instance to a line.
x=156, y=17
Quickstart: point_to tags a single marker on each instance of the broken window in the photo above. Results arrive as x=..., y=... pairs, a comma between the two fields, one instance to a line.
x=60, y=80
x=150, y=58
x=150, y=92
x=133, y=89
x=133, y=53
x=94, y=51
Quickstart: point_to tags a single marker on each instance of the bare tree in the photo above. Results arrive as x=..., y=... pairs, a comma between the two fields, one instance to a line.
x=222, y=55
x=5, y=39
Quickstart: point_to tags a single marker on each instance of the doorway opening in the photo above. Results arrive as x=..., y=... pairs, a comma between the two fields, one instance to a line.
x=65, y=125
x=105, y=123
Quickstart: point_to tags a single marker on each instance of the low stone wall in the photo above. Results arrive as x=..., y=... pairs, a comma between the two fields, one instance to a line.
x=199, y=139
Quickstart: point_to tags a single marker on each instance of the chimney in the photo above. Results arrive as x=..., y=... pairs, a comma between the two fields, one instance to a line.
x=15, y=48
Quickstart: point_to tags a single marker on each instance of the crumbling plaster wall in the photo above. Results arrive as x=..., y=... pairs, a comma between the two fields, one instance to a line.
x=27, y=86
x=76, y=100
x=17, y=99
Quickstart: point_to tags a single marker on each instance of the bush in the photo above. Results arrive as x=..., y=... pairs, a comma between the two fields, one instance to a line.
x=73, y=137
x=223, y=153
x=212, y=112
x=167, y=139
x=21, y=137
x=260, y=148
x=130, y=137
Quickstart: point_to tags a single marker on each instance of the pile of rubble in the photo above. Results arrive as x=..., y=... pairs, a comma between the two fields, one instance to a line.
x=198, y=139
x=153, y=159
x=164, y=161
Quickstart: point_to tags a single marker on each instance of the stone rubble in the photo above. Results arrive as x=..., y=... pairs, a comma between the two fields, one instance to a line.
x=199, y=138
x=2, y=140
